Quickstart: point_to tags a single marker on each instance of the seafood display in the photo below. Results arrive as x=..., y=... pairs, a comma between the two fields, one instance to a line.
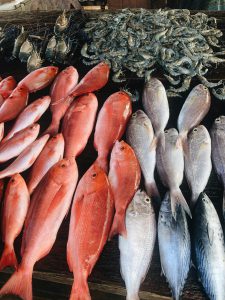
x=209, y=248
x=181, y=44
x=174, y=246
x=137, y=248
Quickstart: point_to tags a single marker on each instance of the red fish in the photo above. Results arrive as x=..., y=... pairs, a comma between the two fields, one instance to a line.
x=124, y=177
x=14, y=104
x=49, y=205
x=78, y=124
x=64, y=83
x=94, y=80
x=29, y=115
x=111, y=124
x=91, y=218
x=49, y=156
x=7, y=84
x=26, y=158
x=39, y=79
x=1, y=131
x=15, y=207
x=19, y=142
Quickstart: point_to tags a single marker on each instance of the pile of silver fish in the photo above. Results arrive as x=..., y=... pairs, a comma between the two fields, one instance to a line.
x=36, y=45
x=180, y=44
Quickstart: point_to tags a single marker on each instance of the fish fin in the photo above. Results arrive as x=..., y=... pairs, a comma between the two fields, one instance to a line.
x=8, y=258
x=161, y=140
x=224, y=205
x=103, y=163
x=177, y=198
x=210, y=233
x=53, y=128
x=20, y=284
x=80, y=290
x=152, y=191
x=118, y=226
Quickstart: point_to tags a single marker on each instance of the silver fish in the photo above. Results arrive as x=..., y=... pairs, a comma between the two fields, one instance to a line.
x=18, y=42
x=50, y=49
x=34, y=62
x=193, y=111
x=197, y=161
x=140, y=136
x=209, y=248
x=156, y=106
x=25, y=51
x=218, y=153
x=170, y=166
x=174, y=246
x=137, y=248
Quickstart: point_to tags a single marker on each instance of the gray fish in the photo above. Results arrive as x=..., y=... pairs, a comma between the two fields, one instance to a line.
x=156, y=106
x=140, y=136
x=50, y=49
x=25, y=51
x=218, y=153
x=170, y=166
x=209, y=248
x=34, y=62
x=174, y=246
x=198, y=163
x=193, y=111
x=18, y=42
x=137, y=248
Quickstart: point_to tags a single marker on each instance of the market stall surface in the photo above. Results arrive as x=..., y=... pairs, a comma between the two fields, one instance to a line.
x=51, y=278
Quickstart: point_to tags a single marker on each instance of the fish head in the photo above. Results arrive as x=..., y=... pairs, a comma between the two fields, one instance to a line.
x=63, y=171
x=34, y=127
x=203, y=205
x=50, y=71
x=200, y=134
x=139, y=117
x=141, y=204
x=15, y=180
x=201, y=91
x=171, y=135
x=121, y=151
x=166, y=204
x=154, y=83
x=56, y=139
x=20, y=91
x=219, y=123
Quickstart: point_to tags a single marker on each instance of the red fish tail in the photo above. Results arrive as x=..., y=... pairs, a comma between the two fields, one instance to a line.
x=80, y=290
x=8, y=258
x=103, y=163
x=53, y=128
x=20, y=284
x=118, y=226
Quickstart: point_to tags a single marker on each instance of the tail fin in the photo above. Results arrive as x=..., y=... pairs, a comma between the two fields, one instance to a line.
x=161, y=140
x=177, y=197
x=80, y=290
x=184, y=140
x=118, y=226
x=194, y=198
x=224, y=204
x=132, y=297
x=103, y=163
x=152, y=190
x=8, y=258
x=52, y=129
x=20, y=284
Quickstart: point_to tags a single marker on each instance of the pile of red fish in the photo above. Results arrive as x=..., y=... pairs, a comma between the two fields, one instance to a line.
x=39, y=204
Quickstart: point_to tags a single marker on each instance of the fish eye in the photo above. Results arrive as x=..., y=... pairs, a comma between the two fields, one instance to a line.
x=63, y=165
x=217, y=119
x=122, y=148
x=195, y=130
x=13, y=180
x=134, y=115
x=94, y=175
x=166, y=131
x=147, y=200
x=204, y=87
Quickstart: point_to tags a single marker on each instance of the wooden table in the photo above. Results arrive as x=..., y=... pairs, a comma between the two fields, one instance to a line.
x=52, y=279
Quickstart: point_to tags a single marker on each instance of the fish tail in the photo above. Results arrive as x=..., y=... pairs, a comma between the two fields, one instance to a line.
x=184, y=140
x=194, y=198
x=20, y=284
x=161, y=140
x=224, y=204
x=8, y=258
x=80, y=290
x=118, y=226
x=133, y=296
x=103, y=163
x=177, y=198
x=53, y=128
x=152, y=190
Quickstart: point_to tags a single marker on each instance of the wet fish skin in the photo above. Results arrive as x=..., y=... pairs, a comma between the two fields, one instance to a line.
x=29, y=115
x=49, y=205
x=63, y=84
x=2, y=130
x=137, y=248
x=92, y=205
x=198, y=163
x=156, y=106
x=49, y=156
x=111, y=124
x=39, y=79
x=94, y=80
x=18, y=143
x=195, y=108
x=15, y=207
x=170, y=167
x=209, y=248
x=14, y=104
x=8, y=84
x=26, y=158
x=140, y=136
x=124, y=184
x=218, y=156
x=174, y=246
x=78, y=124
